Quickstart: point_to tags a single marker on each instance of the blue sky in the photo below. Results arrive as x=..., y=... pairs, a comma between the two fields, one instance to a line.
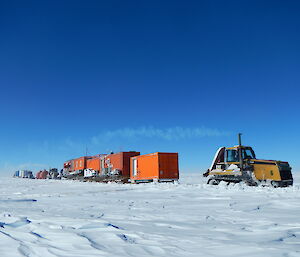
x=178, y=76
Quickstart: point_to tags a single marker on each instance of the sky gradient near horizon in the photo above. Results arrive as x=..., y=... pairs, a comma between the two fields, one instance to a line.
x=177, y=76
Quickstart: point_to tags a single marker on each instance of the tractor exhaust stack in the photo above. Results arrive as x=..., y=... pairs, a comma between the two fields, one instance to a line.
x=240, y=139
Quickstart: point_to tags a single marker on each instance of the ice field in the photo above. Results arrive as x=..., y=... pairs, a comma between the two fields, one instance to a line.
x=71, y=218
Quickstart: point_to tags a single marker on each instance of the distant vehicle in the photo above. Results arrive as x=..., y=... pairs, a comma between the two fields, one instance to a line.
x=90, y=173
x=53, y=174
x=43, y=174
x=23, y=174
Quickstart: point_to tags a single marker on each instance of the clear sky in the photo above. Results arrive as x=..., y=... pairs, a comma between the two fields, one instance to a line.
x=177, y=76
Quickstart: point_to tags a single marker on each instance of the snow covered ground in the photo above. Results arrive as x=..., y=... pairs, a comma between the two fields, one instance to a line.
x=69, y=218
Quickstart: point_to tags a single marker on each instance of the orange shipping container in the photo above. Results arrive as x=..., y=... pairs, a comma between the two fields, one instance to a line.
x=93, y=163
x=120, y=161
x=79, y=163
x=154, y=167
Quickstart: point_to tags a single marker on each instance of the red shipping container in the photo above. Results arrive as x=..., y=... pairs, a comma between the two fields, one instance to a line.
x=38, y=175
x=120, y=161
x=42, y=174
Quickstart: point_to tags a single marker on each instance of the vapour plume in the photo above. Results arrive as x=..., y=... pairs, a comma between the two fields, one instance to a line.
x=175, y=133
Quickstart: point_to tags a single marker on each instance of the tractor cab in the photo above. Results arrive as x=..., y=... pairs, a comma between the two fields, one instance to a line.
x=232, y=153
x=230, y=159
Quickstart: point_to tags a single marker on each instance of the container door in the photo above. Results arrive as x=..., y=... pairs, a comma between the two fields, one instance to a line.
x=134, y=167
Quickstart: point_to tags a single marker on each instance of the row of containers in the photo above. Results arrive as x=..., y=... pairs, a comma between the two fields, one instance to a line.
x=124, y=167
x=43, y=174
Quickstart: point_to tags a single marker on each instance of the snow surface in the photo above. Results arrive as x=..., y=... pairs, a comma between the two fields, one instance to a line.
x=71, y=218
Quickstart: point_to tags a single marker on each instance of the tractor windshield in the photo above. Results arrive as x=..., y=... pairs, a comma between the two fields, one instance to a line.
x=248, y=154
x=232, y=156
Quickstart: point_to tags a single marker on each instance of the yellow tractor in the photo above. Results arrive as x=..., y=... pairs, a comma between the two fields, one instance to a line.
x=239, y=164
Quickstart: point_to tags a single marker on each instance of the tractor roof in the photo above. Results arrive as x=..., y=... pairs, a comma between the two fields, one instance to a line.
x=237, y=146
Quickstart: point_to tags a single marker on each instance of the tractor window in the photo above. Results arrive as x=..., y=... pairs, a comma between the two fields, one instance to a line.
x=232, y=156
x=248, y=154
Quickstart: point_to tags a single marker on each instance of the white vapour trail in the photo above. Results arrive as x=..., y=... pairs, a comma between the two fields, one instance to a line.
x=175, y=133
